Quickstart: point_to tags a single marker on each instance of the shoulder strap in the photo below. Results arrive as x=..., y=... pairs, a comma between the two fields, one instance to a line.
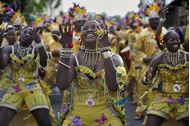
x=76, y=59
x=13, y=50
x=185, y=57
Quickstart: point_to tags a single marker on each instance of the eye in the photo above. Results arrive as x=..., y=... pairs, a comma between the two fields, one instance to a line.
x=94, y=26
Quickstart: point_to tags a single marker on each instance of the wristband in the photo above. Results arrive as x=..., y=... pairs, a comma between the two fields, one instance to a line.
x=106, y=54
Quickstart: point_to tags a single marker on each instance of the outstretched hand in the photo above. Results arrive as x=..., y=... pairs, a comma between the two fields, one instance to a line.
x=35, y=35
x=102, y=33
x=163, y=12
x=66, y=35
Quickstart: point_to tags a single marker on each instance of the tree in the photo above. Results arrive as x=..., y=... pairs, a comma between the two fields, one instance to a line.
x=32, y=6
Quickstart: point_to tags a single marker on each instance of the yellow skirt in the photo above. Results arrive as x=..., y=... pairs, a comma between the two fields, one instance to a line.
x=92, y=116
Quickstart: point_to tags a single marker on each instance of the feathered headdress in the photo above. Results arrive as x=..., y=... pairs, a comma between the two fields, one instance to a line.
x=77, y=12
x=2, y=7
x=133, y=18
x=152, y=10
x=54, y=26
x=18, y=19
x=39, y=22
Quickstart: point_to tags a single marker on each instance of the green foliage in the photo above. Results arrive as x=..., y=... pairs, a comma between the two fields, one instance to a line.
x=33, y=6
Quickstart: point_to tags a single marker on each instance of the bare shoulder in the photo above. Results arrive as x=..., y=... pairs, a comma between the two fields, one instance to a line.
x=74, y=57
x=118, y=61
x=158, y=59
x=8, y=49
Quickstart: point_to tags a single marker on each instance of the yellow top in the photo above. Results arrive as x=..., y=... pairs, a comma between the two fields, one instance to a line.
x=91, y=86
x=174, y=79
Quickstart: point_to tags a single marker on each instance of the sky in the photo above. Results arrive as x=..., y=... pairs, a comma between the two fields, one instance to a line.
x=111, y=7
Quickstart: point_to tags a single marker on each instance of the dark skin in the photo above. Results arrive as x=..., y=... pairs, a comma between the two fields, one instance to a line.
x=28, y=35
x=56, y=34
x=163, y=12
x=172, y=42
x=154, y=21
x=10, y=35
x=156, y=24
x=78, y=24
x=1, y=19
x=89, y=38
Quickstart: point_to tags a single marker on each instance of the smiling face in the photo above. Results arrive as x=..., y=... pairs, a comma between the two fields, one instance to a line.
x=26, y=37
x=172, y=41
x=89, y=31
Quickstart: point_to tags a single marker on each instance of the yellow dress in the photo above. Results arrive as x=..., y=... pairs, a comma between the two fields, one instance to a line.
x=25, y=91
x=90, y=103
x=146, y=46
x=172, y=100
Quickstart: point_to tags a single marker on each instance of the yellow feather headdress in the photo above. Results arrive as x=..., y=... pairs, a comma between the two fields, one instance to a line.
x=39, y=22
x=152, y=10
x=18, y=19
x=77, y=12
x=2, y=8
x=54, y=26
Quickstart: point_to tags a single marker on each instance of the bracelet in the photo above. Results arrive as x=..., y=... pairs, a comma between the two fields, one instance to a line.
x=104, y=49
x=38, y=45
x=66, y=50
x=64, y=64
x=65, y=53
x=106, y=54
x=69, y=45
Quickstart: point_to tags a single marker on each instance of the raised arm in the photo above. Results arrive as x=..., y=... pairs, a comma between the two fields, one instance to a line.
x=40, y=48
x=65, y=73
x=110, y=60
x=159, y=28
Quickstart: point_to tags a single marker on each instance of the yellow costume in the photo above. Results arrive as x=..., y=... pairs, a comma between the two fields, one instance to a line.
x=172, y=100
x=76, y=41
x=3, y=25
x=51, y=45
x=24, y=88
x=146, y=47
x=90, y=101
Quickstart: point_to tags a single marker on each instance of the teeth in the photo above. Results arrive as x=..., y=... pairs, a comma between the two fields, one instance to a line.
x=175, y=46
x=90, y=35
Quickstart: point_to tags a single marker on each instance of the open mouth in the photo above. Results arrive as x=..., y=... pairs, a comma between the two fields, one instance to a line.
x=90, y=35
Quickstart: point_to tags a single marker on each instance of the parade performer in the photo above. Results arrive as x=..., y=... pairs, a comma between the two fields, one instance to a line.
x=52, y=46
x=93, y=80
x=171, y=101
x=9, y=38
x=147, y=48
x=25, y=87
x=135, y=24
